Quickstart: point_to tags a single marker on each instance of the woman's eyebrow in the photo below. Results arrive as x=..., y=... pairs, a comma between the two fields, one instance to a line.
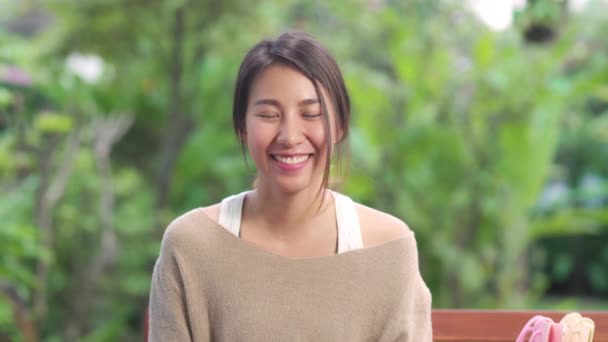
x=267, y=102
x=308, y=102
x=276, y=103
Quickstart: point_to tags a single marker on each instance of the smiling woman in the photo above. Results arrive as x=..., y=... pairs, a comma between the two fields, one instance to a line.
x=290, y=259
x=284, y=131
x=311, y=76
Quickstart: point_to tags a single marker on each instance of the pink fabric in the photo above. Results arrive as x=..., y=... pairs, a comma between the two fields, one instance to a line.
x=556, y=333
x=540, y=329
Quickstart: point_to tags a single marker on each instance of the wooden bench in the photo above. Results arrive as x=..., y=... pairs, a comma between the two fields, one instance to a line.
x=499, y=325
x=489, y=325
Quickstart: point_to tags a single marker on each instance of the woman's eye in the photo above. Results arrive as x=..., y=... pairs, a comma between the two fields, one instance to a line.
x=267, y=115
x=311, y=115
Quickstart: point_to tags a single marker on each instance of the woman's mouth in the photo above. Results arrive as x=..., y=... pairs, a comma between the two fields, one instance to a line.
x=291, y=160
x=290, y=163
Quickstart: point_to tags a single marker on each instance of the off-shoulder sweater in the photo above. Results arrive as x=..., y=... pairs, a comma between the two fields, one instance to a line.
x=209, y=285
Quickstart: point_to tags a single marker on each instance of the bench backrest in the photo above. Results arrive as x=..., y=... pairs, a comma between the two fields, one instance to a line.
x=500, y=325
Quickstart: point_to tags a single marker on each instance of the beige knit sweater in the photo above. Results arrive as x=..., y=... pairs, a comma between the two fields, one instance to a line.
x=208, y=285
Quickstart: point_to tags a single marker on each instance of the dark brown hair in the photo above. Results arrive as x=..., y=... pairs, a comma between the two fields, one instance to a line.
x=303, y=53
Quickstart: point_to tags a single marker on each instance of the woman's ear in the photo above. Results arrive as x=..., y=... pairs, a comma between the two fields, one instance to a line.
x=339, y=135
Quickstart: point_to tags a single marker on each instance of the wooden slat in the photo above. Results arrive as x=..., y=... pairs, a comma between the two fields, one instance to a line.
x=499, y=325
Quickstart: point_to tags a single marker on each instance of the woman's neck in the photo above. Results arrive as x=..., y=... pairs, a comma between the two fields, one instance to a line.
x=280, y=211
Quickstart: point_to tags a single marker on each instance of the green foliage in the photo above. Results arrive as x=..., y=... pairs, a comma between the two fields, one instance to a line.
x=456, y=129
x=475, y=144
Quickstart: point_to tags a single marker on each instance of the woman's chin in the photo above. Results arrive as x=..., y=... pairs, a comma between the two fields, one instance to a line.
x=291, y=186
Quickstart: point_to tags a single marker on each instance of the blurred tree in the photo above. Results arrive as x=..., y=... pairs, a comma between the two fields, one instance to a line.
x=118, y=118
x=577, y=191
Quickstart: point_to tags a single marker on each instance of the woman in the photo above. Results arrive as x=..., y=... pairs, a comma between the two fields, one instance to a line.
x=289, y=260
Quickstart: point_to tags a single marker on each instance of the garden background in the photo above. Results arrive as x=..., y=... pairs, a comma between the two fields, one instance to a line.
x=482, y=124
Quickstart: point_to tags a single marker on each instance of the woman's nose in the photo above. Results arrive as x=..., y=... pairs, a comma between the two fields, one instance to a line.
x=290, y=132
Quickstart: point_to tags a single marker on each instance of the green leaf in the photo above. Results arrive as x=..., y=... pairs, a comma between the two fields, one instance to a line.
x=49, y=122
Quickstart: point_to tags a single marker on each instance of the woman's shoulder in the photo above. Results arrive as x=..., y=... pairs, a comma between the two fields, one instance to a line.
x=191, y=225
x=212, y=211
x=378, y=227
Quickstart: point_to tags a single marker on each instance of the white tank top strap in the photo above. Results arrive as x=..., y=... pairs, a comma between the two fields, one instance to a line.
x=349, y=229
x=230, y=213
x=347, y=220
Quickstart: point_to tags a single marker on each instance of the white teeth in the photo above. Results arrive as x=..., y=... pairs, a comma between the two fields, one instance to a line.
x=291, y=160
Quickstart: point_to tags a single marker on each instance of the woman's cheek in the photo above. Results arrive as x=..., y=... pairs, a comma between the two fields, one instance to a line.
x=318, y=136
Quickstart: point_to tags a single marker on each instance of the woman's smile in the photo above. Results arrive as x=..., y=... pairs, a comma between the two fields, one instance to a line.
x=291, y=162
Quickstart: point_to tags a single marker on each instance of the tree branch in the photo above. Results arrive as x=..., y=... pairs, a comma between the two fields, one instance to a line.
x=179, y=125
x=107, y=133
x=48, y=194
x=21, y=313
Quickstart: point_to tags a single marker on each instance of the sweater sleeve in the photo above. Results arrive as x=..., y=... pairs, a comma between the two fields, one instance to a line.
x=167, y=311
x=422, y=304
x=411, y=319
x=422, y=329
x=178, y=310
x=418, y=300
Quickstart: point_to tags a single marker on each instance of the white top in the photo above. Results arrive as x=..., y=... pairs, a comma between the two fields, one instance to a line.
x=349, y=230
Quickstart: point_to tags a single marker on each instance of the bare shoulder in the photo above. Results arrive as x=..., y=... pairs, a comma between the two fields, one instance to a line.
x=213, y=211
x=378, y=227
x=186, y=226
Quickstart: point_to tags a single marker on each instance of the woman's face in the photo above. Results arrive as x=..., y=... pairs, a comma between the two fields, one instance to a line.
x=284, y=130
